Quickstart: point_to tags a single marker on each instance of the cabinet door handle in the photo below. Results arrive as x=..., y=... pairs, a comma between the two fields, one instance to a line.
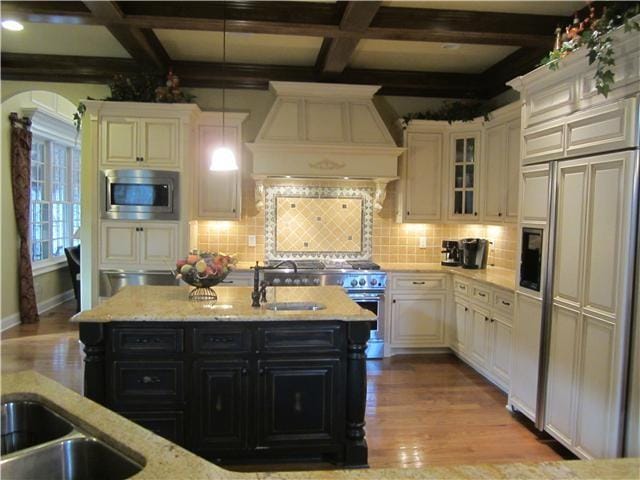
x=408, y=212
x=466, y=309
x=492, y=320
x=394, y=300
x=214, y=339
x=142, y=159
x=506, y=304
x=418, y=283
x=475, y=214
x=486, y=319
x=482, y=294
x=499, y=214
x=149, y=379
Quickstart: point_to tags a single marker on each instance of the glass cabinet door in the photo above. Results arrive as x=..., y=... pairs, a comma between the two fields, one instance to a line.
x=465, y=159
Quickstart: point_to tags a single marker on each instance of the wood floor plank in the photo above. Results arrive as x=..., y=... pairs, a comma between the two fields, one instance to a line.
x=421, y=409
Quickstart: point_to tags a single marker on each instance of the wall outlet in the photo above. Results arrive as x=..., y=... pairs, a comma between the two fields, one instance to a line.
x=422, y=242
x=251, y=240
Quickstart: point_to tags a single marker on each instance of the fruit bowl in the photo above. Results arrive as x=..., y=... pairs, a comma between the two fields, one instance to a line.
x=203, y=271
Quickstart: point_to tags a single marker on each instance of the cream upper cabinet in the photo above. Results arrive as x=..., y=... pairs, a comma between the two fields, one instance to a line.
x=501, y=168
x=138, y=245
x=534, y=194
x=420, y=190
x=464, y=162
x=135, y=142
x=218, y=195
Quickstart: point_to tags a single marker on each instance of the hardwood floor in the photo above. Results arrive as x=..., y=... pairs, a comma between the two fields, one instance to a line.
x=421, y=409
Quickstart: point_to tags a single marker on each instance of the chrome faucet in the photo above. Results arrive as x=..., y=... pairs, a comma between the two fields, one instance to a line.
x=259, y=293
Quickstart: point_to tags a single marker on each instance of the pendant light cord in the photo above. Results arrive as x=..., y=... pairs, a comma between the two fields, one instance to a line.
x=224, y=60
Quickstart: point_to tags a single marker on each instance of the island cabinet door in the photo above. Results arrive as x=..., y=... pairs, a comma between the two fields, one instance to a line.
x=220, y=410
x=300, y=402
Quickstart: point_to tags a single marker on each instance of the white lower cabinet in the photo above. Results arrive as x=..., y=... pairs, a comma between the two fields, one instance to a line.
x=418, y=319
x=138, y=245
x=479, y=338
x=500, y=366
x=461, y=327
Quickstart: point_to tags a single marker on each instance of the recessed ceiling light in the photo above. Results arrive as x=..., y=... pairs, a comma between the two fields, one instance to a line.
x=451, y=46
x=12, y=25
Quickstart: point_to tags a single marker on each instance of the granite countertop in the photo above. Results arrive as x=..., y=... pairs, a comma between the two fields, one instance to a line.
x=171, y=304
x=499, y=277
x=165, y=460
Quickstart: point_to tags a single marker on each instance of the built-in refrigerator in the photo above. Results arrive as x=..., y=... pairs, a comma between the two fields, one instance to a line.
x=575, y=364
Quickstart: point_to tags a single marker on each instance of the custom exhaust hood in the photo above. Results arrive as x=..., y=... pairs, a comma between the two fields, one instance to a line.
x=324, y=131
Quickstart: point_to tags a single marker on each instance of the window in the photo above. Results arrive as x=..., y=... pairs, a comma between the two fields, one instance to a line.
x=55, y=197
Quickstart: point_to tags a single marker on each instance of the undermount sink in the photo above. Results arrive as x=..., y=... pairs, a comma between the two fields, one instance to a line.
x=73, y=459
x=25, y=424
x=38, y=443
x=279, y=306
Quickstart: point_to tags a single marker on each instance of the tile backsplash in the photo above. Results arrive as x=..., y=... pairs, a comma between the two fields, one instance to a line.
x=392, y=242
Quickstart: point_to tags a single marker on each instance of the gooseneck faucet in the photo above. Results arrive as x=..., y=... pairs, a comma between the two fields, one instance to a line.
x=259, y=293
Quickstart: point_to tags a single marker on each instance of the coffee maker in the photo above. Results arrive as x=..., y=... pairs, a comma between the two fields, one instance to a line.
x=474, y=252
x=451, y=253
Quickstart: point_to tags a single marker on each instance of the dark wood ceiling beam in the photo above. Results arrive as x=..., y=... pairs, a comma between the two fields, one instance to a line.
x=518, y=63
x=204, y=74
x=142, y=44
x=335, y=53
x=310, y=19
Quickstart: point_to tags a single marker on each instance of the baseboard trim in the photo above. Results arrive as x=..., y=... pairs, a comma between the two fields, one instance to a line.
x=43, y=307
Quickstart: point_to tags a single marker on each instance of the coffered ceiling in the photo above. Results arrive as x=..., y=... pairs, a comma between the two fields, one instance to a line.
x=430, y=48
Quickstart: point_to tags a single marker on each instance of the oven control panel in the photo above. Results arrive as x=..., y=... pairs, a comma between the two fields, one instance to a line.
x=348, y=280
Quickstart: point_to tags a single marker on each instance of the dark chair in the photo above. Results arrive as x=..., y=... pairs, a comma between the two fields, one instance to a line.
x=73, y=259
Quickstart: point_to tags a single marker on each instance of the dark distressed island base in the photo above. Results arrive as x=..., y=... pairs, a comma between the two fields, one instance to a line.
x=237, y=391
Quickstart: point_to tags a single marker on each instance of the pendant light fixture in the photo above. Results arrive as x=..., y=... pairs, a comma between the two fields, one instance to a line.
x=223, y=158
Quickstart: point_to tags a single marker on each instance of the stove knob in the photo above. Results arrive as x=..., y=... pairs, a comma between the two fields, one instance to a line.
x=287, y=281
x=354, y=283
x=373, y=282
x=296, y=281
x=276, y=281
x=362, y=282
x=305, y=281
x=316, y=281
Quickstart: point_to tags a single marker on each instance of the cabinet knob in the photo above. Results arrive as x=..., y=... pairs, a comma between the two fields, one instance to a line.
x=466, y=309
x=499, y=214
x=486, y=319
x=394, y=300
x=408, y=212
x=475, y=214
x=262, y=371
x=243, y=371
x=492, y=320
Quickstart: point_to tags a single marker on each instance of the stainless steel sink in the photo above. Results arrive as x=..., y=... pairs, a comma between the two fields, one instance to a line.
x=73, y=459
x=25, y=424
x=38, y=443
x=276, y=306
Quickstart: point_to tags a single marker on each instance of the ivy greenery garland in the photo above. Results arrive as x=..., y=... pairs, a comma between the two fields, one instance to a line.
x=453, y=112
x=596, y=35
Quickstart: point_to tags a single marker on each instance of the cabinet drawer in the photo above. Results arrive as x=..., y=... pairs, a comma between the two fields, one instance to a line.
x=419, y=282
x=504, y=301
x=221, y=340
x=543, y=143
x=460, y=287
x=311, y=338
x=148, y=381
x=481, y=294
x=169, y=425
x=603, y=128
x=148, y=340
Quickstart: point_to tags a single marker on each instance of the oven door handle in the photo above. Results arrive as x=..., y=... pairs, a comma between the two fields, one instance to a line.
x=366, y=296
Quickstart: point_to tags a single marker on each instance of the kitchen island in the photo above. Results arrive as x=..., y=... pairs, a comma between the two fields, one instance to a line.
x=230, y=382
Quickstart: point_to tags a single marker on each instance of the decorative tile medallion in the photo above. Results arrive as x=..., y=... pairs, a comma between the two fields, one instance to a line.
x=312, y=222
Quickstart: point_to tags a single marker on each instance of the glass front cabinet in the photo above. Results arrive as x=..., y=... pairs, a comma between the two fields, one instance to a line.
x=464, y=170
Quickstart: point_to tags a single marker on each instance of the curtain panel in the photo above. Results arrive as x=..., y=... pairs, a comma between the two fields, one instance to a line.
x=21, y=183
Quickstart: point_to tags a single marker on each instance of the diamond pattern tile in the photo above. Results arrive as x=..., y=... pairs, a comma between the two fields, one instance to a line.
x=318, y=224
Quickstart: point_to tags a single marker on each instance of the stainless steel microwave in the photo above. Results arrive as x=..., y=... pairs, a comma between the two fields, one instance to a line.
x=135, y=194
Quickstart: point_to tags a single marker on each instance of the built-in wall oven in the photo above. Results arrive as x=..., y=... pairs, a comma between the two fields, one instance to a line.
x=137, y=194
x=372, y=300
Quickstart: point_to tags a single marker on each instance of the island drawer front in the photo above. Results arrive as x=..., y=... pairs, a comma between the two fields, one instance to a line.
x=148, y=340
x=295, y=339
x=169, y=424
x=147, y=381
x=419, y=282
x=221, y=339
